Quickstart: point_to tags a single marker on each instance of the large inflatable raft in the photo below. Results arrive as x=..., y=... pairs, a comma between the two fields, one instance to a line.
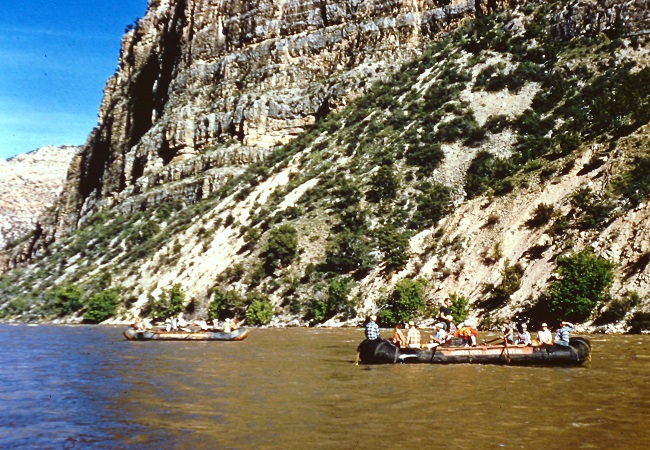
x=382, y=351
x=161, y=335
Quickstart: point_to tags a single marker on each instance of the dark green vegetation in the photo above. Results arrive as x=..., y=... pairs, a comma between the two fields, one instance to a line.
x=584, y=279
x=405, y=303
x=373, y=169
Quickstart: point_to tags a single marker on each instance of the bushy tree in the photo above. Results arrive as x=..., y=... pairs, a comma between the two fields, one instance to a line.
x=384, y=185
x=499, y=295
x=226, y=303
x=322, y=308
x=584, y=278
x=67, y=299
x=433, y=204
x=281, y=247
x=170, y=303
x=260, y=309
x=459, y=307
x=102, y=306
x=349, y=251
x=395, y=247
x=405, y=303
x=174, y=299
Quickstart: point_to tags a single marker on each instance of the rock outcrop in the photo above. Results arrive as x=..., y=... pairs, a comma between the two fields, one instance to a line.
x=29, y=184
x=204, y=88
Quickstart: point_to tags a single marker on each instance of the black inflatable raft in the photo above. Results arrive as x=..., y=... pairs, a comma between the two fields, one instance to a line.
x=382, y=351
x=161, y=335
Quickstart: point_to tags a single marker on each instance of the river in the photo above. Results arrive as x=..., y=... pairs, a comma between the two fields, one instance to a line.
x=88, y=387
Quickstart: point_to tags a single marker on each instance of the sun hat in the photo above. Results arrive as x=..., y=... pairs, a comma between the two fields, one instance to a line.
x=544, y=325
x=411, y=323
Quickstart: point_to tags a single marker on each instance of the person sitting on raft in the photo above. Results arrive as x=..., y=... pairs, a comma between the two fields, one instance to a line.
x=413, y=336
x=468, y=334
x=544, y=336
x=398, y=337
x=372, y=329
x=171, y=324
x=563, y=334
x=439, y=338
x=137, y=324
x=182, y=323
x=201, y=323
x=524, y=336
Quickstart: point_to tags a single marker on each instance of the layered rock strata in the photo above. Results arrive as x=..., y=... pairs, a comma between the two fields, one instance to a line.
x=204, y=88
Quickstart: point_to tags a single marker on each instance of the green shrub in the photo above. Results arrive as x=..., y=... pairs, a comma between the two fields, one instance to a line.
x=635, y=183
x=170, y=303
x=252, y=237
x=463, y=127
x=425, y=155
x=349, y=251
x=67, y=299
x=459, y=307
x=488, y=172
x=15, y=307
x=498, y=296
x=542, y=215
x=101, y=306
x=384, y=185
x=496, y=124
x=584, y=278
x=345, y=194
x=147, y=231
x=394, y=246
x=281, y=247
x=639, y=322
x=405, y=303
x=433, y=204
x=596, y=212
x=260, y=309
x=492, y=78
x=322, y=308
x=226, y=303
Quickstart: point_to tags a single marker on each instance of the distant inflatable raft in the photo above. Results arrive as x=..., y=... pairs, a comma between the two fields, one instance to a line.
x=382, y=351
x=161, y=335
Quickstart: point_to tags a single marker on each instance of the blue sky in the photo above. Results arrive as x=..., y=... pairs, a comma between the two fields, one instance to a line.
x=55, y=58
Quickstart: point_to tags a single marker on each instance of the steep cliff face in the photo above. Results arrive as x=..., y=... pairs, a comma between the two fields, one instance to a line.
x=29, y=184
x=204, y=88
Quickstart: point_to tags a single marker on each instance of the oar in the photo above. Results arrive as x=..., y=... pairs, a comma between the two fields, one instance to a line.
x=505, y=345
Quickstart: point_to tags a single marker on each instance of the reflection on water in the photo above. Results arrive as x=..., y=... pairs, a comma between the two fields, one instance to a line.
x=81, y=387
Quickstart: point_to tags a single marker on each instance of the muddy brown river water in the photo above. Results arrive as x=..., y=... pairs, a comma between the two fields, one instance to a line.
x=88, y=387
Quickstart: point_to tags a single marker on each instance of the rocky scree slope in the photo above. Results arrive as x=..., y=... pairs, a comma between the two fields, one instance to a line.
x=517, y=139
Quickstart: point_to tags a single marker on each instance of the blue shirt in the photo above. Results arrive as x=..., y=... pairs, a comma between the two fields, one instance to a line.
x=372, y=330
x=563, y=334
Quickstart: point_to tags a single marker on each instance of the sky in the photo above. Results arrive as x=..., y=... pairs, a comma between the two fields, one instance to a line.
x=55, y=58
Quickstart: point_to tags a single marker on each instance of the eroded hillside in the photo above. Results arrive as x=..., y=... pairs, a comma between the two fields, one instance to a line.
x=512, y=143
